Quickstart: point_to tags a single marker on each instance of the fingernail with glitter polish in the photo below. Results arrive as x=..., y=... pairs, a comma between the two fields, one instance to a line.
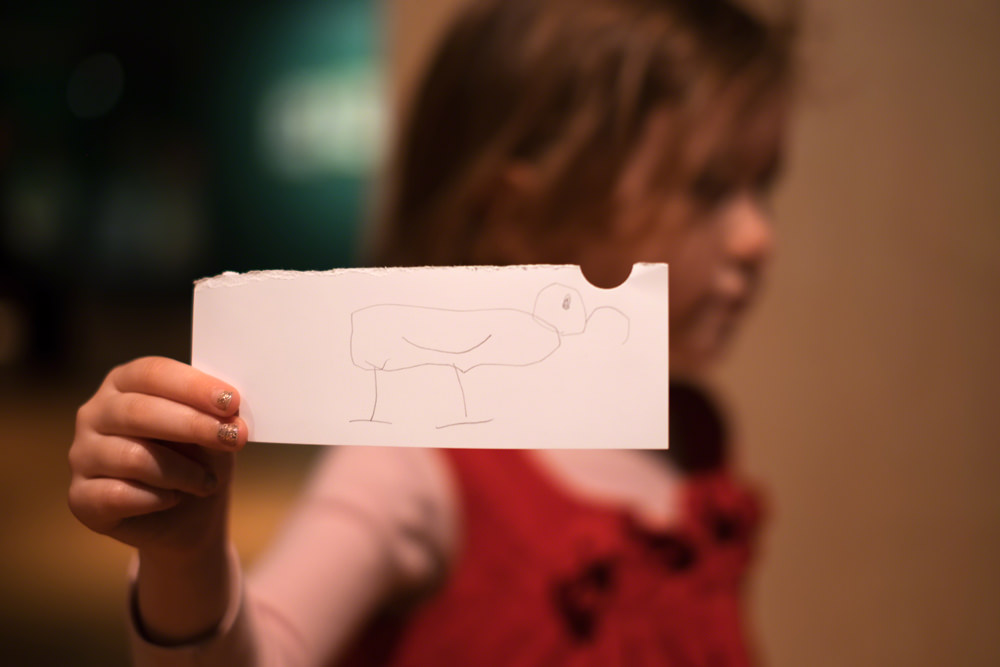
x=229, y=433
x=223, y=400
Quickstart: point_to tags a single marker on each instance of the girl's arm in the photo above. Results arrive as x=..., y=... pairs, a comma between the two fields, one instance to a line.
x=151, y=463
x=373, y=524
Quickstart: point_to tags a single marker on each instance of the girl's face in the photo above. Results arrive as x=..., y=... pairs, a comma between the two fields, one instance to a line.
x=716, y=236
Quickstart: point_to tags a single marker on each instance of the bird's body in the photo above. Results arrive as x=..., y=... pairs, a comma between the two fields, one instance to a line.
x=393, y=337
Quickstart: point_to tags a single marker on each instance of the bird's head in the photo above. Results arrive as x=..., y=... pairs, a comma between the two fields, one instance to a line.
x=561, y=307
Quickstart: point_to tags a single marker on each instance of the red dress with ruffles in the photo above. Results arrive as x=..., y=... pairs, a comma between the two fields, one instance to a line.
x=545, y=578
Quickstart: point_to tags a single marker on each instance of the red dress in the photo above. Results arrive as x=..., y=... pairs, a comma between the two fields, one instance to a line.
x=545, y=578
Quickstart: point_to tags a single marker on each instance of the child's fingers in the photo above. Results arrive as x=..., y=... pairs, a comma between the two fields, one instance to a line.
x=156, y=418
x=177, y=381
x=101, y=503
x=150, y=463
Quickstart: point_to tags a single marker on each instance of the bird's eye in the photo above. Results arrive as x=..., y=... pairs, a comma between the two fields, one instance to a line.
x=565, y=303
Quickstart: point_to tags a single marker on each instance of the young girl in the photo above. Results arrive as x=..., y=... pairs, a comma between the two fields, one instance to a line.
x=595, y=132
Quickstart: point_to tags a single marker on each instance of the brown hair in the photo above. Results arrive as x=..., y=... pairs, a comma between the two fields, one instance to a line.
x=567, y=87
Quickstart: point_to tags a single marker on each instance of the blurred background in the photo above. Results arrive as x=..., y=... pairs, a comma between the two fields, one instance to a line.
x=142, y=147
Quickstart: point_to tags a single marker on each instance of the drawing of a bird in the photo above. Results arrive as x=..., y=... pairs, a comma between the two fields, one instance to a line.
x=395, y=337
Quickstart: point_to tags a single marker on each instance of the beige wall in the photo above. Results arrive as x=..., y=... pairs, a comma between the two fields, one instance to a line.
x=866, y=386
x=868, y=383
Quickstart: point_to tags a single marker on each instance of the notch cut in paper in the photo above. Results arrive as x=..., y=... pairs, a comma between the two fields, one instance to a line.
x=488, y=357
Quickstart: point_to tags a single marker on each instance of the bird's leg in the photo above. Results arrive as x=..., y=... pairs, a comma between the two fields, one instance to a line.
x=371, y=417
x=465, y=407
x=374, y=400
x=461, y=389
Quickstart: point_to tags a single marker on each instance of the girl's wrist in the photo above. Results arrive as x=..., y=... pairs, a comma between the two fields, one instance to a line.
x=180, y=597
x=183, y=561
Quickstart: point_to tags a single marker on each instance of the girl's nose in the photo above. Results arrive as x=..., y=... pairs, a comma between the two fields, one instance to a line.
x=750, y=237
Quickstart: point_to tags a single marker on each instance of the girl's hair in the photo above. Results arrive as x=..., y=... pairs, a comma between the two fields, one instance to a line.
x=567, y=87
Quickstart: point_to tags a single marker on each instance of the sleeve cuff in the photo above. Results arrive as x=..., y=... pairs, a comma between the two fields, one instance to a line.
x=224, y=644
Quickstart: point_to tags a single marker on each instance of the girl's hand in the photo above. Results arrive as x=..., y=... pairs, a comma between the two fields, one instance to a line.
x=152, y=457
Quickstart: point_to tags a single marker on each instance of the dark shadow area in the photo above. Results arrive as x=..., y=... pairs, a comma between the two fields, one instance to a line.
x=143, y=146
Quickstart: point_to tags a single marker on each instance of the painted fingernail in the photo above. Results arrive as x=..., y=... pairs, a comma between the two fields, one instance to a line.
x=229, y=433
x=223, y=400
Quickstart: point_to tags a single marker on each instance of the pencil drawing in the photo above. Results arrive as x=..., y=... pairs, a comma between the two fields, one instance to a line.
x=392, y=337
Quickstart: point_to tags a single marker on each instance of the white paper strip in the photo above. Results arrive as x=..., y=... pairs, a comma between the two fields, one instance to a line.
x=493, y=357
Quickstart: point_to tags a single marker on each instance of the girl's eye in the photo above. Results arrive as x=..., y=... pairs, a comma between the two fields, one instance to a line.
x=765, y=183
x=767, y=177
x=711, y=189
